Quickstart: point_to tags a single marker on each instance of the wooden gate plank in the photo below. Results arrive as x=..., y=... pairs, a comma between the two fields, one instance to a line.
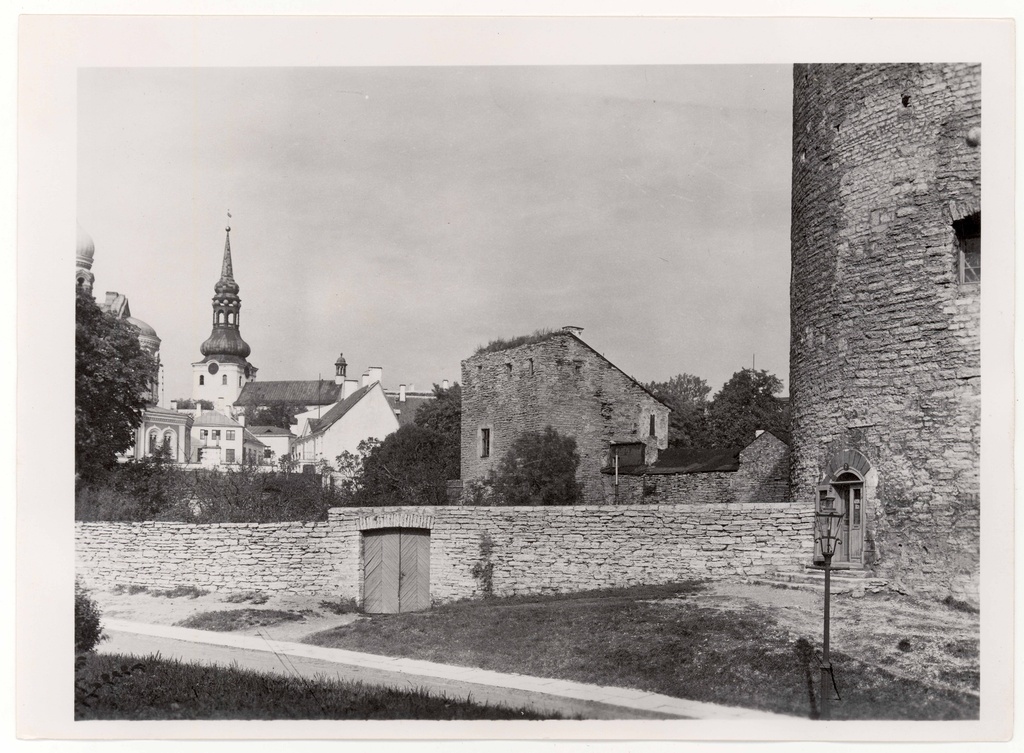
x=390, y=575
x=414, y=593
x=372, y=560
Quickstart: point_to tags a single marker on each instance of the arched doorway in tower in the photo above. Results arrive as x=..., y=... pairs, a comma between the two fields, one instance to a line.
x=844, y=490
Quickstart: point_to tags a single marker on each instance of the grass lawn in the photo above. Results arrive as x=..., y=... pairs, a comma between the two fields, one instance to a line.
x=165, y=690
x=239, y=619
x=652, y=638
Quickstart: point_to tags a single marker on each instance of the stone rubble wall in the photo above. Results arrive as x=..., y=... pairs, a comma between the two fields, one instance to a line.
x=563, y=383
x=533, y=549
x=885, y=351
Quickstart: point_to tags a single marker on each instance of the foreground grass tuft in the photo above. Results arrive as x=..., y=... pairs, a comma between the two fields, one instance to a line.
x=341, y=606
x=240, y=619
x=159, y=689
x=651, y=638
x=178, y=591
x=253, y=597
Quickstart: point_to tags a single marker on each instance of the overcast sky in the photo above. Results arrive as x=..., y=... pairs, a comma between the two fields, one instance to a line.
x=406, y=216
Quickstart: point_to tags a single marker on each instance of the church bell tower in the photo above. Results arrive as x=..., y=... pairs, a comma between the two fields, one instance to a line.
x=224, y=370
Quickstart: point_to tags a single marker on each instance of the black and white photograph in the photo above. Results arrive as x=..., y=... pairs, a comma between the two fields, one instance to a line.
x=633, y=392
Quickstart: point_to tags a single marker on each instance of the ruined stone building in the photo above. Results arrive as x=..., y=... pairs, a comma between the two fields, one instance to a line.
x=756, y=473
x=555, y=379
x=885, y=313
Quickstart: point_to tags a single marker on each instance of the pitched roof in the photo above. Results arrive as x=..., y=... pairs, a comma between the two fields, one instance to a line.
x=306, y=392
x=213, y=418
x=331, y=417
x=542, y=336
x=270, y=431
x=247, y=436
x=676, y=460
x=408, y=409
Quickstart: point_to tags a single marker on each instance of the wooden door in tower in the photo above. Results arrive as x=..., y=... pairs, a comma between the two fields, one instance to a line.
x=396, y=570
x=850, y=491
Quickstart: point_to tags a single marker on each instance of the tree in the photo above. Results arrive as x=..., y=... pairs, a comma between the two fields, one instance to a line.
x=687, y=396
x=281, y=414
x=410, y=467
x=538, y=469
x=746, y=403
x=443, y=414
x=112, y=382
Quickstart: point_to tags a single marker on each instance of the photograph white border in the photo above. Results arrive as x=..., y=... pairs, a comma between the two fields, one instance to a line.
x=52, y=48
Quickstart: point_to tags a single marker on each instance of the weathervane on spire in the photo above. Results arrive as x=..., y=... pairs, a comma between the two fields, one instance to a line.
x=228, y=228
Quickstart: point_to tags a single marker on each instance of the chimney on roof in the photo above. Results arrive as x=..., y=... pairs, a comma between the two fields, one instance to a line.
x=174, y=405
x=241, y=419
x=376, y=374
x=366, y=378
x=572, y=329
x=758, y=433
x=401, y=393
x=444, y=384
x=348, y=387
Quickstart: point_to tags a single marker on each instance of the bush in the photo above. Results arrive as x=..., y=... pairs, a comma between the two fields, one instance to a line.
x=538, y=469
x=88, y=629
x=153, y=489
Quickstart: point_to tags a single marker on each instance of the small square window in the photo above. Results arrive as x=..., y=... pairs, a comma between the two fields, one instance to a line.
x=968, y=239
x=203, y=433
x=229, y=456
x=230, y=435
x=216, y=434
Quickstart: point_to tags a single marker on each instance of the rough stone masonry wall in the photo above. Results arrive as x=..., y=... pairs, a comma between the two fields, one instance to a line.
x=533, y=549
x=762, y=476
x=885, y=355
x=306, y=558
x=562, y=383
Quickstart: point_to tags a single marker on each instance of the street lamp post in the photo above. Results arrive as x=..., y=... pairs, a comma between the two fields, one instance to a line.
x=826, y=529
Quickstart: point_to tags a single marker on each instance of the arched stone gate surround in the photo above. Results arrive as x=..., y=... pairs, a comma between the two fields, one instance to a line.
x=847, y=485
x=394, y=562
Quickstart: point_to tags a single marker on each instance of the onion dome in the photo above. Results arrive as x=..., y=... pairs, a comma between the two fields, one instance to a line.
x=225, y=340
x=148, y=338
x=85, y=249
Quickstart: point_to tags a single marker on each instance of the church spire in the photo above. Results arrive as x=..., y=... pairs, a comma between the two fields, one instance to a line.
x=226, y=273
x=225, y=340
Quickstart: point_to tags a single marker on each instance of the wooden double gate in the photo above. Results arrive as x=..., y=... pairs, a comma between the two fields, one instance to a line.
x=396, y=570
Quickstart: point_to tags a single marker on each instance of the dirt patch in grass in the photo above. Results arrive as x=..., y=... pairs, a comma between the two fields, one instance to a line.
x=163, y=689
x=239, y=619
x=735, y=644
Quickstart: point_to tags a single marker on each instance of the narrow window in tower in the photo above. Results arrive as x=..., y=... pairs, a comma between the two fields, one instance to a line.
x=485, y=443
x=968, y=241
x=201, y=380
x=224, y=379
x=239, y=380
x=653, y=431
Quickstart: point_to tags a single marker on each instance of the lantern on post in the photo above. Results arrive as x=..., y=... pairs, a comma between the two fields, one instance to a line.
x=827, y=525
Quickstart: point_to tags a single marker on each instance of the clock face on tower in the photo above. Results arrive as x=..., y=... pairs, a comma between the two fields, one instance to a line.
x=213, y=368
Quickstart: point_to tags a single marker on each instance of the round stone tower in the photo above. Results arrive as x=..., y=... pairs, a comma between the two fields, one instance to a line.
x=885, y=313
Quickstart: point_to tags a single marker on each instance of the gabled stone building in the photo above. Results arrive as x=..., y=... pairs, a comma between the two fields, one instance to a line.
x=885, y=360
x=555, y=379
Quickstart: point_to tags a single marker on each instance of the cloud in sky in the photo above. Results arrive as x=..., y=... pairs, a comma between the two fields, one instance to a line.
x=407, y=215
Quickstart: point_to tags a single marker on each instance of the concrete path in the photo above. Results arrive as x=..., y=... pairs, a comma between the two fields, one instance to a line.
x=262, y=653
